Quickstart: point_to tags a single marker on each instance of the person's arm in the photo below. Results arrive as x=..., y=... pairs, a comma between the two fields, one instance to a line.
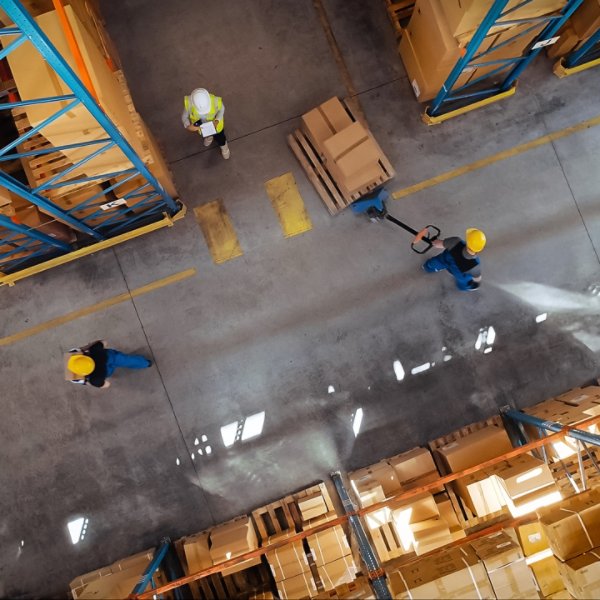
x=220, y=114
x=450, y=242
x=438, y=243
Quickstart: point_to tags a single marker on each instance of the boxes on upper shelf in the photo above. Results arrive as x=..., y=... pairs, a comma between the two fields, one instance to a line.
x=329, y=545
x=234, y=539
x=197, y=552
x=289, y=560
x=582, y=575
x=337, y=572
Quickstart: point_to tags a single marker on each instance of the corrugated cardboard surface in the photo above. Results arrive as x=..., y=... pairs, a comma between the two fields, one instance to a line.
x=586, y=19
x=573, y=526
x=523, y=474
x=382, y=473
x=329, y=545
x=582, y=575
x=301, y=586
x=197, y=553
x=413, y=464
x=497, y=550
x=337, y=572
x=532, y=538
x=513, y=581
x=547, y=575
x=288, y=561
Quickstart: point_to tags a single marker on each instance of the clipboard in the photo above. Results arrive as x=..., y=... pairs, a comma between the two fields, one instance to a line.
x=208, y=129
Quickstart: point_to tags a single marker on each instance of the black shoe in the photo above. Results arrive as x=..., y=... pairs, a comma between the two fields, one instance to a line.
x=149, y=364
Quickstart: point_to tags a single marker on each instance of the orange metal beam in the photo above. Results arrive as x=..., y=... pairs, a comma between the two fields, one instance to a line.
x=82, y=69
x=404, y=495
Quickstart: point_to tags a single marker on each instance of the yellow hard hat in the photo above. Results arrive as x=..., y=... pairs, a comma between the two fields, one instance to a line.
x=81, y=365
x=475, y=239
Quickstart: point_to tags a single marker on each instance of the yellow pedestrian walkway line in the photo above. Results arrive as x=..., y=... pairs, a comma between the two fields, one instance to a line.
x=489, y=160
x=88, y=310
x=288, y=204
x=218, y=231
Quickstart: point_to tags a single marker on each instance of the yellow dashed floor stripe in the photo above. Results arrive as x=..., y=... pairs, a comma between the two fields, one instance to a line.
x=218, y=231
x=88, y=310
x=288, y=205
x=489, y=160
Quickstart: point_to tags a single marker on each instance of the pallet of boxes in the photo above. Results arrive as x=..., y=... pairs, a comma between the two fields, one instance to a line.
x=439, y=32
x=584, y=22
x=319, y=566
x=34, y=78
x=339, y=154
x=405, y=527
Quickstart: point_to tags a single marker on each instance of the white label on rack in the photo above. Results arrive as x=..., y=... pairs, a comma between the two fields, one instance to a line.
x=416, y=88
x=114, y=203
x=544, y=43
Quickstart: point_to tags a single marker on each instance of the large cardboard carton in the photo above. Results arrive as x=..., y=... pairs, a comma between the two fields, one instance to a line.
x=456, y=573
x=429, y=535
x=335, y=573
x=497, y=550
x=30, y=216
x=329, y=545
x=513, y=581
x=312, y=506
x=369, y=492
x=573, y=526
x=477, y=447
x=301, y=586
x=420, y=508
x=545, y=571
x=289, y=560
x=112, y=587
x=586, y=19
x=582, y=575
x=481, y=493
x=412, y=465
x=533, y=501
x=447, y=513
x=323, y=122
x=532, y=538
x=522, y=475
x=381, y=473
x=197, y=553
x=590, y=394
x=233, y=539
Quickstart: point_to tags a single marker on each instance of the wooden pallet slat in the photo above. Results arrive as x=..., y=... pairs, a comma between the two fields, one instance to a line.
x=398, y=11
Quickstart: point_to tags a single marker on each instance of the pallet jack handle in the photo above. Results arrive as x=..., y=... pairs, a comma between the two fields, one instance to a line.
x=428, y=235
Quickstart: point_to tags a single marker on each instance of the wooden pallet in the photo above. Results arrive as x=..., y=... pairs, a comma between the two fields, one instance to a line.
x=468, y=521
x=316, y=170
x=284, y=515
x=571, y=464
x=399, y=11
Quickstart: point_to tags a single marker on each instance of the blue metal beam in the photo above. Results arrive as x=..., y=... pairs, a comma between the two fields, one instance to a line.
x=47, y=100
x=578, y=56
x=549, y=32
x=29, y=27
x=12, y=46
x=154, y=564
x=378, y=581
x=578, y=434
x=33, y=233
x=42, y=151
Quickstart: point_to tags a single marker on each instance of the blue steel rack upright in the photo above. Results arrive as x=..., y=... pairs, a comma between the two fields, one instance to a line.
x=20, y=245
x=580, y=59
x=479, y=91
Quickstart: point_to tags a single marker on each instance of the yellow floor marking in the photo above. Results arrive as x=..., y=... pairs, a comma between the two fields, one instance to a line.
x=218, y=231
x=489, y=160
x=288, y=204
x=88, y=310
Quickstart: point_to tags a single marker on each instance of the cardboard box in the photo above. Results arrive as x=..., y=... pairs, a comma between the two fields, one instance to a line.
x=197, y=553
x=289, y=560
x=497, y=550
x=547, y=576
x=32, y=217
x=522, y=475
x=532, y=538
x=513, y=581
x=582, y=575
x=325, y=121
x=335, y=573
x=447, y=513
x=112, y=587
x=457, y=573
x=475, y=448
x=350, y=150
x=312, y=506
x=421, y=508
x=381, y=473
x=590, y=394
x=429, y=535
x=481, y=493
x=359, y=589
x=301, y=586
x=586, y=19
x=573, y=526
x=529, y=503
x=328, y=545
x=369, y=492
x=412, y=465
x=233, y=539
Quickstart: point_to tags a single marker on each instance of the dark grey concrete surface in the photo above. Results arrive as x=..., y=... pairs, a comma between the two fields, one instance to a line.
x=274, y=329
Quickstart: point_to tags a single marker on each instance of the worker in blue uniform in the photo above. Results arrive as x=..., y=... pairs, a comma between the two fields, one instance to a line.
x=460, y=259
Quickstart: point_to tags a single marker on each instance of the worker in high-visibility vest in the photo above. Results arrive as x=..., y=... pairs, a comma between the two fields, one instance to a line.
x=460, y=259
x=202, y=107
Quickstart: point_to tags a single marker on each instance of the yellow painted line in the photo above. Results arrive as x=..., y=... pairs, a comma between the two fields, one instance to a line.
x=94, y=308
x=218, y=231
x=288, y=204
x=561, y=71
x=490, y=160
x=166, y=221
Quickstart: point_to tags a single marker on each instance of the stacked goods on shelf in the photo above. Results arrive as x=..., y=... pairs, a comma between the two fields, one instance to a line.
x=196, y=549
x=584, y=22
x=234, y=539
x=573, y=531
x=35, y=78
x=116, y=580
x=440, y=30
x=506, y=567
x=339, y=154
x=332, y=557
x=359, y=589
x=539, y=558
x=456, y=573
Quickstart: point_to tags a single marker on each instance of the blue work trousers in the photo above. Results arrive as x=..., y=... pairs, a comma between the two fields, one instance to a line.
x=444, y=261
x=116, y=359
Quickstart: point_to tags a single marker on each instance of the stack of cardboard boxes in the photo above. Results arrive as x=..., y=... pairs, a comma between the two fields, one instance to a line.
x=359, y=589
x=347, y=150
x=506, y=567
x=234, y=539
x=440, y=30
x=584, y=22
x=573, y=531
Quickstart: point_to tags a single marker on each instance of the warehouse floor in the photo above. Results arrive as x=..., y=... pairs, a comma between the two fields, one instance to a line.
x=307, y=329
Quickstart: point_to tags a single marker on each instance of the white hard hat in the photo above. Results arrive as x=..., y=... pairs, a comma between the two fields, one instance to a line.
x=201, y=100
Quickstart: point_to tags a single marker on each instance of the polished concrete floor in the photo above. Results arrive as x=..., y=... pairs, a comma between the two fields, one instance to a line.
x=307, y=329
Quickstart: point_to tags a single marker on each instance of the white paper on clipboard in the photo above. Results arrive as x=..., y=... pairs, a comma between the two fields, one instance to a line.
x=208, y=129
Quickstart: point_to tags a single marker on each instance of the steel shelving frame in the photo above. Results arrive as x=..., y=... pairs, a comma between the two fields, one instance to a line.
x=152, y=202
x=451, y=102
x=582, y=58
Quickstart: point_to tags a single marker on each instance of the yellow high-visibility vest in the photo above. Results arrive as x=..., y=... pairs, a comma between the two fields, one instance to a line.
x=216, y=104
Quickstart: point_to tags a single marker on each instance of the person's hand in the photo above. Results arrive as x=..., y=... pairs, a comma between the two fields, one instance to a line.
x=216, y=122
x=438, y=243
x=192, y=128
